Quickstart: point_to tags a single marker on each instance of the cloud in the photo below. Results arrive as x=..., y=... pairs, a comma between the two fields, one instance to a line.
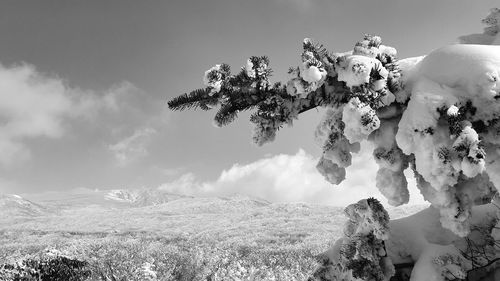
x=30, y=106
x=187, y=184
x=132, y=147
x=290, y=178
x=34, y=105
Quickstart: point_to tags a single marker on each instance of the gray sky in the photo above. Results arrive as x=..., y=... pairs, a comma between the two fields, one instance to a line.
x=83, y=86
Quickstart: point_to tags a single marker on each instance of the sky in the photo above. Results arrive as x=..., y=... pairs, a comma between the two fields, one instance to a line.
x=84, y=86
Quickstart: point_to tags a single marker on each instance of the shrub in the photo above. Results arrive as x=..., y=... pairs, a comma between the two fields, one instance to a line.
x=49, y=266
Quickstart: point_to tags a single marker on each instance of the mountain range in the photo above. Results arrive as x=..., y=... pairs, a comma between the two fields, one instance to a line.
x=157, y=211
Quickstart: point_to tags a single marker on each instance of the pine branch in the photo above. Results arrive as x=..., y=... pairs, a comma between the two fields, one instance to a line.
x=196, y=99
x=239, y=101
x=323, y=52
x=226, y=114
x=320, y=97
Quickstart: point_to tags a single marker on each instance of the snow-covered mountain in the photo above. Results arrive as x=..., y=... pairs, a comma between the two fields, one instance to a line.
x=87, y=199
x=158, y=212
x=15, y=205
x=142, y=197
x=103, y=199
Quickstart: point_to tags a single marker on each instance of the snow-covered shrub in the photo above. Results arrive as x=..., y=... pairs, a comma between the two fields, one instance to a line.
x=183, y=258
x=361, y=253
x=50, y=265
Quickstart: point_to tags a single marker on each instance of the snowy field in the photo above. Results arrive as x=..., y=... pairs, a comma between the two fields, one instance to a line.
x=121, y=232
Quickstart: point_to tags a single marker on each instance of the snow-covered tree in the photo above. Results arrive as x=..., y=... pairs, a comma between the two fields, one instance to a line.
x=438, y=115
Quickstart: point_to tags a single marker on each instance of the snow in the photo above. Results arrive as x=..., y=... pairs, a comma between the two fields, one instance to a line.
x=264, y=131
x=360, y=254
x=421, y=238
x=452, y=111
x=407, y=69
x=121, y=196
x=312, y=74
x=332, y=172
x=359, y=119
x=296, y=86
x=355, y=70
x=470, y=69
x=444, y=123
x=249, y=69
x=471, y=165
x=393, y=185
x=336, y=148
x=447, y=79
x=445, y=91
x=390, y=179
x=14, y=205
x=213, y=79
x=365, y=217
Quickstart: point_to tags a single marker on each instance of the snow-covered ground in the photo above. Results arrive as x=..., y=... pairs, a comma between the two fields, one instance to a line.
x=79, y=222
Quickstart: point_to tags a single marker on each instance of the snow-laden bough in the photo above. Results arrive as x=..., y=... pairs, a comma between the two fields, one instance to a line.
x=438, y=115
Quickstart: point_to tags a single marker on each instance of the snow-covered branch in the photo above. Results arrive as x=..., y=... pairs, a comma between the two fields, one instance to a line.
x=438, y=114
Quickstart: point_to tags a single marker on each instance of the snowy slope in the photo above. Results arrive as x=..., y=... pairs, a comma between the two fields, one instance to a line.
x=15, y=205
x=98, y=211
x=106, y=199
x=141, y=197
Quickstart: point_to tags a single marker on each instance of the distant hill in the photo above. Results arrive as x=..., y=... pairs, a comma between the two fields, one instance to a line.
x=136, y=198
x=15, y=205
x=105, y=199
x=142, y=197
x=163, y=213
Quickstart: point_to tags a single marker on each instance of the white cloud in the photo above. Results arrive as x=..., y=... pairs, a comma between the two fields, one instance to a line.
x=291, y=178
x=188, y=185
x=34, y=105
x=133, y=146
x=30, y=106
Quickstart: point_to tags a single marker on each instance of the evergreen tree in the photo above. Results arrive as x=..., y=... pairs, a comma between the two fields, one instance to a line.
x=438, y=115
